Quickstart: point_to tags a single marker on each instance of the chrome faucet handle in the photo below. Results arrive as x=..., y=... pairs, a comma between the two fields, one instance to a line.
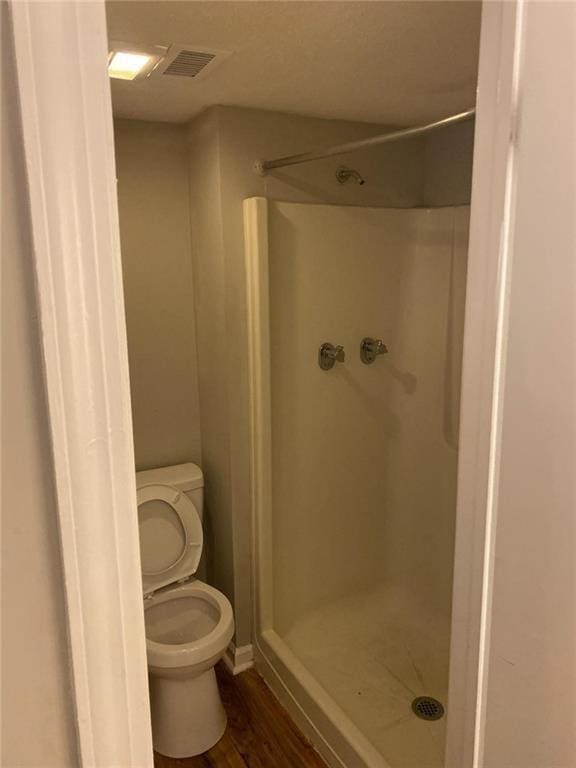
x=371, y=348
x=338, y=353
x=328, y=355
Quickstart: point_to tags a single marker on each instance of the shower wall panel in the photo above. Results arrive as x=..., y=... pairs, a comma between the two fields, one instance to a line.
x=364, y=456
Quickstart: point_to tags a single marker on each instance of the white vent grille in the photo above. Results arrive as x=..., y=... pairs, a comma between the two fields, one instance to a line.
x=189, y=63
x=188, y=60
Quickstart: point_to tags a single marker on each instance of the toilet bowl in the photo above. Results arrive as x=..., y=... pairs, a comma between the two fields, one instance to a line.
x=187, y=631
x=188, y=623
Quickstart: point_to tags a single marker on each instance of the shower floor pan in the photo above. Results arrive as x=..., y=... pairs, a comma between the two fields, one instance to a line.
x=349, y=671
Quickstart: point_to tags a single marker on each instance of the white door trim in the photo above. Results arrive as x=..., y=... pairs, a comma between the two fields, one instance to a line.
x=488, y=290
x=61, y=51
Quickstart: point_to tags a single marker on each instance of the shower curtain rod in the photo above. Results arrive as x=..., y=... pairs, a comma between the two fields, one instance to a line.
x=263, y=166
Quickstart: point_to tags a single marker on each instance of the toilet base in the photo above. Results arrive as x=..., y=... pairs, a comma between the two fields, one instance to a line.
x=187, y=714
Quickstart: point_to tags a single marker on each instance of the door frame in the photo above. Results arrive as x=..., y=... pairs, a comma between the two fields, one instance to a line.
x=484, y=361
x=61, y=53
x=69, y=148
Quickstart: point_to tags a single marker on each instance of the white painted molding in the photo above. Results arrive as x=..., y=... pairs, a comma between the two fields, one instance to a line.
x=239, y=659
x=61, y=54
x=483, y=365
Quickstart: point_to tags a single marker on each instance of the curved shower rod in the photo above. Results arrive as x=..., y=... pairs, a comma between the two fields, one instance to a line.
x=262, y=167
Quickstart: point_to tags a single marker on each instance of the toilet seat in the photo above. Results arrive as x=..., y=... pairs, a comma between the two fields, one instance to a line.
x=171, y=542
x=171, y=537
x=200, y=650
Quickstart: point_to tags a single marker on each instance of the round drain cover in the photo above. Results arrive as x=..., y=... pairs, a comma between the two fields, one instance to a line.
x=427, y=708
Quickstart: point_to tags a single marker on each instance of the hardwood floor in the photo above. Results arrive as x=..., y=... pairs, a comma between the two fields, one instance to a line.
x=260, y=733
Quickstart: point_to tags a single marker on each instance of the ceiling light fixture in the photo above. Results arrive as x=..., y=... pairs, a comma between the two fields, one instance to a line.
x=127, y=66
x=129, y=61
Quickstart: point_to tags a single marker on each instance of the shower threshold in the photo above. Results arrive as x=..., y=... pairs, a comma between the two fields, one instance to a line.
x=349, y=672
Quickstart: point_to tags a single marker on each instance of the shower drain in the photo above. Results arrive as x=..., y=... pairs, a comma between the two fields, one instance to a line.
x=427, y=708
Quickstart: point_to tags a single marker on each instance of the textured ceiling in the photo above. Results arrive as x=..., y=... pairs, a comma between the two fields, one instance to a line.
x=395, y=63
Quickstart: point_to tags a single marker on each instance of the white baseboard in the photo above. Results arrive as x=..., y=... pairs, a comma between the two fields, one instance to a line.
x=238, y=659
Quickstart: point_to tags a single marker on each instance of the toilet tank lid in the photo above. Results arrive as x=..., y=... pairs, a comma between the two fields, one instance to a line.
x=184, y=477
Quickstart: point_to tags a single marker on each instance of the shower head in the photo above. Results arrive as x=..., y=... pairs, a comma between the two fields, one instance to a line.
x=344, y=174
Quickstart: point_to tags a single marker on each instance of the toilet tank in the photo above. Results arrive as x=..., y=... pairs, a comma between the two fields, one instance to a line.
x=187, y=478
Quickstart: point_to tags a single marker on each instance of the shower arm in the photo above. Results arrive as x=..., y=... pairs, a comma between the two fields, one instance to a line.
x=261, y=167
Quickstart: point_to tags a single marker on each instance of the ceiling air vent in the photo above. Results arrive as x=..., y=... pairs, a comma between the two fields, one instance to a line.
x=190, y=61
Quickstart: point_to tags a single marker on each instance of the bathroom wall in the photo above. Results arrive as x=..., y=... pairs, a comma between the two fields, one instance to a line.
x=395, y=176
x=38, y=726
x=215, y=347
x=154, y=205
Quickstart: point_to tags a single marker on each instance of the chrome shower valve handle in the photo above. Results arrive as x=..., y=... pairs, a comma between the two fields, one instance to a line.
x=371, y=348
x=328, y=355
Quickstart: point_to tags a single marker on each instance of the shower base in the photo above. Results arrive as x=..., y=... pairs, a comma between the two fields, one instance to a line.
x=353, y=668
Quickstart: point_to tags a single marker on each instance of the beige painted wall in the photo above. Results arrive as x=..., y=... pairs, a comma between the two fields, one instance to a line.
x=154, y=204
x=531, y=694
x=214, y=347
x=224, y=143
x=37, y=701
x=447, y=178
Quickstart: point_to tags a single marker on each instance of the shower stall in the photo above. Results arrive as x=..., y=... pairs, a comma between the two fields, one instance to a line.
x=354, y=469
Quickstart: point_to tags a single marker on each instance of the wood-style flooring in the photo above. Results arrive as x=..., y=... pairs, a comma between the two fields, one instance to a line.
x=260, y=733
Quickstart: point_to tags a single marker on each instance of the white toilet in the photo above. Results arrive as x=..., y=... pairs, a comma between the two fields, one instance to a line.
x=188, y=623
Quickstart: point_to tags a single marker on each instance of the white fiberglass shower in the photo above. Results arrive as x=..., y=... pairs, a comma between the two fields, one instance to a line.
x=354, y=468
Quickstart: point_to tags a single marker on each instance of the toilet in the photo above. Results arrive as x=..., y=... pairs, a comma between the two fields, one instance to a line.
x=188, y=623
